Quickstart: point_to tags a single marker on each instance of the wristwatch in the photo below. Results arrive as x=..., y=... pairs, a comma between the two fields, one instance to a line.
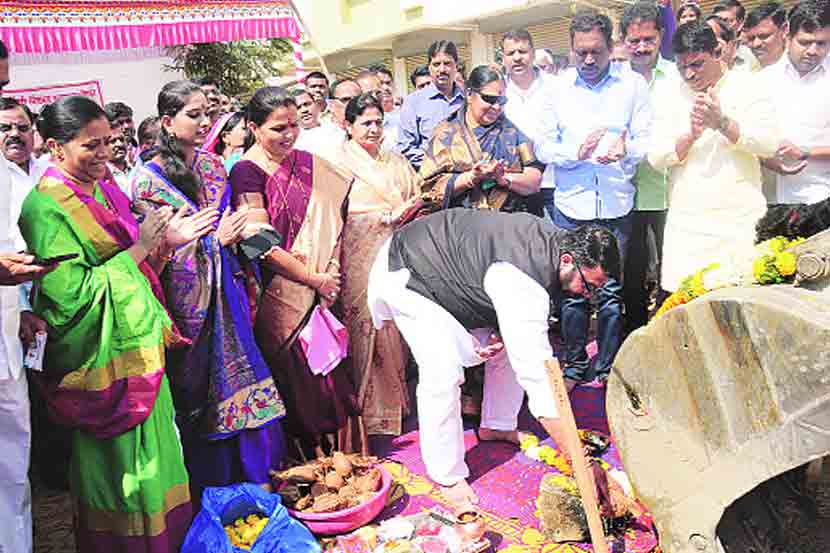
x=723, y=124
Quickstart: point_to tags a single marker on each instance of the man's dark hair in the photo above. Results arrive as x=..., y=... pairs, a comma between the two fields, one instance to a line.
x=740, y=11
x=118, y=110
x=593, y=246
x=689, y=6
x=379, y=68
x=809, y=16
x=420, y=71
x=461, y=69
x=518, y=35
x=338, y=82
x=770, y=10
x=206, y=81
x=7, y=102
x=149, y=128
x=587, y=20
x=641, y=11
x=4, y=52
x=726, y=33
x=696, y=36
x=316, y=75
x=443, y=47
x=297, y=92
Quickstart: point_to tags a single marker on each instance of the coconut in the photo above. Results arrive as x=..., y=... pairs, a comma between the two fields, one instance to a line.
x=334, y=481
x=341, y=464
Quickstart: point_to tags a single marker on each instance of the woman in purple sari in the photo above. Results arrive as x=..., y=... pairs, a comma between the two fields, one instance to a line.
x=304, y=199
x=227, y=406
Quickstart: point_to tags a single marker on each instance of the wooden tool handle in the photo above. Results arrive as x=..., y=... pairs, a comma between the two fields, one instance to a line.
x=583, y=480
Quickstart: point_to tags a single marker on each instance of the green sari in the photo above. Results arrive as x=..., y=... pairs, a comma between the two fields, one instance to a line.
x=104, y=369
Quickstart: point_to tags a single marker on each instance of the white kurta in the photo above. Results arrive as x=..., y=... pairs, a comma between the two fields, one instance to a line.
x=715, y=195
x=15, y=432
x=325, y=141
x=442, y=347
x=803, y=106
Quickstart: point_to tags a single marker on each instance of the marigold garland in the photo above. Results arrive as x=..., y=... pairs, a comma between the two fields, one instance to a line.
x=546, y=454
x=773, y=264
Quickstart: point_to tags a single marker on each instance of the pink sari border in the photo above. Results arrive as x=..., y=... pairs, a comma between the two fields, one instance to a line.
x=111, y=412
x=40, y=40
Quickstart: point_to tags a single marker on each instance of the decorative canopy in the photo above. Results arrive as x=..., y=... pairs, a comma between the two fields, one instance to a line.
x=73, y=26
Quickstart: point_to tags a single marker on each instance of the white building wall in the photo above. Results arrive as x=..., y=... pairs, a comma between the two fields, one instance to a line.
x=133, y=76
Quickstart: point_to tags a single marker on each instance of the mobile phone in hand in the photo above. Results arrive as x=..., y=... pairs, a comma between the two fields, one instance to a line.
x=55, y=259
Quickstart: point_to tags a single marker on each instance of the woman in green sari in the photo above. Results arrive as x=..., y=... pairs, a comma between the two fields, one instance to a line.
x=104, y=371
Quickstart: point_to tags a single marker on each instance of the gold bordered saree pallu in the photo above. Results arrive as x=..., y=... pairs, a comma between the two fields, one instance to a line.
x=104, y=370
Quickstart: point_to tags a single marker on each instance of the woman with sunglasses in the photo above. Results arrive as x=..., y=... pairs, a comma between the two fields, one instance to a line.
x=478, y=158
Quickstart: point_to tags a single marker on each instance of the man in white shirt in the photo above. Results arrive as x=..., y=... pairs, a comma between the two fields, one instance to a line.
x=528, y=90
x=17, y=137
x=710, y=129
x=734, y=14
x=448, y=280
x=391, y=114
x=15, y=432
x=597, y=128
x=642, y=32
x=800, y=86
x=765, y=32
x=327, y=139
x=308, y=110
x=119, y=164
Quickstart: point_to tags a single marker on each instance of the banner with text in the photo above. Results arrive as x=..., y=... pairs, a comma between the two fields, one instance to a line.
x=40, y=96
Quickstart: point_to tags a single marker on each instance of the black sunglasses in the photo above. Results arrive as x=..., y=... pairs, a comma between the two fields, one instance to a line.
x=491, y=99
x=590, y=288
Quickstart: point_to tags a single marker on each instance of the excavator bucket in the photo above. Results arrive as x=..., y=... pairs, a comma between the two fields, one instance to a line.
x=722, y=394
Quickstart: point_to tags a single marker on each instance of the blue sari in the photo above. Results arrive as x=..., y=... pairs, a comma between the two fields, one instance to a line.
x=455, y=148
x=227, y=405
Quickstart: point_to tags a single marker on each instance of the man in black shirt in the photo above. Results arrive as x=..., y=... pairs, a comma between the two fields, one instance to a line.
x=468, y=286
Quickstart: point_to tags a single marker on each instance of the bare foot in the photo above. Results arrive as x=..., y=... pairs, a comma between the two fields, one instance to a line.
x=512, y=436
x=459, y=494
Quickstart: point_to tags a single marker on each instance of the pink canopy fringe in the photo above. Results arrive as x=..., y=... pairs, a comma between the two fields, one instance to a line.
x=37, y=40
x=61, y=26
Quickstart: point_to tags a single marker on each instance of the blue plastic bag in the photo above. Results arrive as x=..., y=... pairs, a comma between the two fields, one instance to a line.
x=222, y=506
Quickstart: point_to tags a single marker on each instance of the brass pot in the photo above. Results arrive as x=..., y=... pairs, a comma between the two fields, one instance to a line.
x=470, y=525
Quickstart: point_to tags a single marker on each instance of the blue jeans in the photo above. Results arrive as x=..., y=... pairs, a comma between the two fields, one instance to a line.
x=575, y=316
x=547, y=198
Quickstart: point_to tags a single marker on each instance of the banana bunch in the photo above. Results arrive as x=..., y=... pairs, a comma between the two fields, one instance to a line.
x=244, y=532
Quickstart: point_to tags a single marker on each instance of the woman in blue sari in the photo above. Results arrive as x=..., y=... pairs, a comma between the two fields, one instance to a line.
x=478, y=158
x=227, y=405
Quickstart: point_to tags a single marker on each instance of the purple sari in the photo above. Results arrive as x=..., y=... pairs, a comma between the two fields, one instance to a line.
x=227, y=405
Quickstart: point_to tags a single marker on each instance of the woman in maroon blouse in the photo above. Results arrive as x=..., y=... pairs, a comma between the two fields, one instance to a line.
x=304, y=199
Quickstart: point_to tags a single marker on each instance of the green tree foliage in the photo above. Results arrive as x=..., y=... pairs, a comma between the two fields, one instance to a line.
x=239, y=67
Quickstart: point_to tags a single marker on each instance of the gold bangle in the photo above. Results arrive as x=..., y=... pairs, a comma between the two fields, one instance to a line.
x=166, y=258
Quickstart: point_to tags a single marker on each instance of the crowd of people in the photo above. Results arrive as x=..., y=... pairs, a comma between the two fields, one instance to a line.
x=170, y=271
